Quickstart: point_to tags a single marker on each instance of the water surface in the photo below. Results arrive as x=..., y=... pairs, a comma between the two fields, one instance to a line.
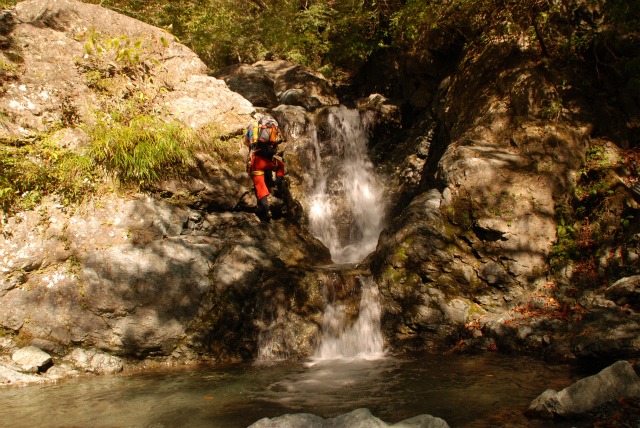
x=466, y=391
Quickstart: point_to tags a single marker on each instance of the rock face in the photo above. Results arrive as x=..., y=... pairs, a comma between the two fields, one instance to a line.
x=50, y=37
x=141, y=277
x=614, y=382
x=477, y=184
x=270, y=83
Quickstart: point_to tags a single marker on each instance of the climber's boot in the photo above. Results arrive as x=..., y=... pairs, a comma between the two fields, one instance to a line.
x=262, y=210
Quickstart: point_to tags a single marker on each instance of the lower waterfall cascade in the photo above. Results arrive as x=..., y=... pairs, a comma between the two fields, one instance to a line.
x=363, y=339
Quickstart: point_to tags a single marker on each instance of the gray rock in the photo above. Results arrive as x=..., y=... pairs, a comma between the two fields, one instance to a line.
x=606, y=333
x=299, y=420
x=616, y=381
x=9, y=376
x=625, y=291
x=48, y=346
x=31, y=359
x=298, y=97
x=53, y=89
x=94, y=361
x=359, y=418
x=251, y=82
x=286, y=75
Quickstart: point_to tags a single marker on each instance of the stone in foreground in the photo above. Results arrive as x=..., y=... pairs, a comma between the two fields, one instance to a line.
x=359, y=418
x=617, y=380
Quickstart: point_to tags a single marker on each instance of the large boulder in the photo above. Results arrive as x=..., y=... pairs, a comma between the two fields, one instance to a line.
x=287, y=75
x=140, y=277
x=49, y=44
x=253, y=83
x=625, y=291
x=480, y=190
x=616, y=381
x=271, y=83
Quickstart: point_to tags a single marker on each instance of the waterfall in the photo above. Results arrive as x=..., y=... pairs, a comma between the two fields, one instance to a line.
x=362, y=339
x=346, y=213
x=346, y=209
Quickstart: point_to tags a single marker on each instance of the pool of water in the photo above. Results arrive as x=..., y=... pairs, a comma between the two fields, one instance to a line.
x=466, y=391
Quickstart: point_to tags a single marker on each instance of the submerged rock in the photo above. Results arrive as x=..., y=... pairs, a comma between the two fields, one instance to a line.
x=616, y=381
x=359, y=418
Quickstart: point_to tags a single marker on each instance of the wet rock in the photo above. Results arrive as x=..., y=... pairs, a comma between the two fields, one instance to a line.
x=359, y=418
x=62, y=370
x=94, y=361
x=616, y=381
x=31, y=359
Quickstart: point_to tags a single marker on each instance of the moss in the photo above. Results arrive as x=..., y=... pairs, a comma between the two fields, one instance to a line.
x=460, y=212
x=393, y=275
x=475, y=311
x=24, y=336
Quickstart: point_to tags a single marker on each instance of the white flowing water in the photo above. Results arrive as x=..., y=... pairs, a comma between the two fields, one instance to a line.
x=346, y=213
x=346, y=209
x=361, y=340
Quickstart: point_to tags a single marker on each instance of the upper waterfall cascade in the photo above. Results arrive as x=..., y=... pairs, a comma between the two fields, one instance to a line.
x=346, y=209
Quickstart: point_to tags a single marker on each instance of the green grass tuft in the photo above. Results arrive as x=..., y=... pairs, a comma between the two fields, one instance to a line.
x=144, y=150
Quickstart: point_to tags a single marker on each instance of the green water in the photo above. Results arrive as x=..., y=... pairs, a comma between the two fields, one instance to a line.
x=466, y=391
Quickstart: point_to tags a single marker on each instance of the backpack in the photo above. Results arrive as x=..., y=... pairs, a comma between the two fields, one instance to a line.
x=268, y=131
x=266, y=137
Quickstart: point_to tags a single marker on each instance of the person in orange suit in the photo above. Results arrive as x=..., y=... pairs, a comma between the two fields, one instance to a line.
x=262, y=138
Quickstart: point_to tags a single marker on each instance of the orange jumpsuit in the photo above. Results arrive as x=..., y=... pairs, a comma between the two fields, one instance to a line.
x=257, y=168
x=261, y=163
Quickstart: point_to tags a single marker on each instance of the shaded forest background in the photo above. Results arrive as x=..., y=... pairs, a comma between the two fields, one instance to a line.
x=339, y=37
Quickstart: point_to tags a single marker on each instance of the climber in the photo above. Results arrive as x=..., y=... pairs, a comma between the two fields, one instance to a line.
x=263, y=138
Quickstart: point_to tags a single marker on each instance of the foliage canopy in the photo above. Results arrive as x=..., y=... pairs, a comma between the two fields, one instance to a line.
x=338, y=36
